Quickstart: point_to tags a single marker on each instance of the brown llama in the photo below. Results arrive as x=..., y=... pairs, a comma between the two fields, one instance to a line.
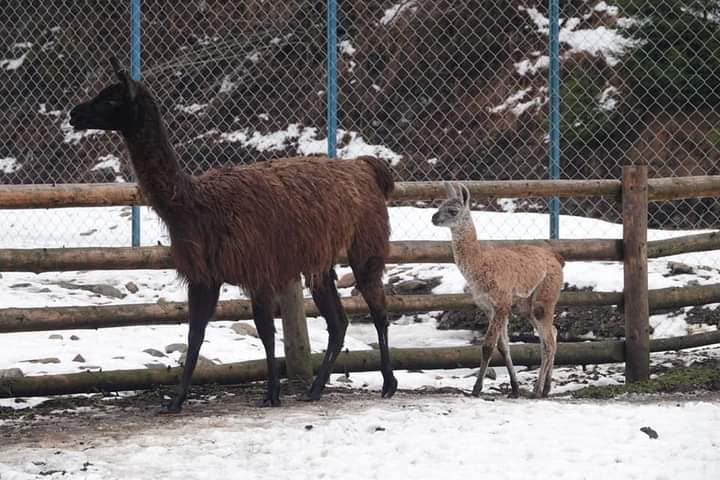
x=259, y=227
x=527, y=276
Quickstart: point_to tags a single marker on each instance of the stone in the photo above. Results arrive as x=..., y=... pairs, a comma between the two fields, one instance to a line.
x=43, y=360
x=201, y=363
x=78, y=358
x=74, y=337
x=489, y=373
x=346, y=281
x=176, y=347
x=55, y=336
x=11, y=373
x=153, y=352
x=155, y=366
x=131, y=287
x=98, y=289
x=416, y=286
x=679, y=268
x=244, y=328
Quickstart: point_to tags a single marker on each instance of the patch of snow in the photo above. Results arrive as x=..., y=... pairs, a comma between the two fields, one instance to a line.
x=108, y=161
x=603, y=7
x=607, y=100
x=607, y=42
x=74, y=136
x=192, y=109
x=396, y=10
x=13, y=63
x=42, y=109
x=227, y=85
x=531, y=67
x=518, y=107
x=507, y=204
x=305, y=140
x=9, y=165
x=346, y=47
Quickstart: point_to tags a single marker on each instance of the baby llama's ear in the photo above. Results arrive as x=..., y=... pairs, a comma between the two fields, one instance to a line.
x=450, y=189
x=465, y=195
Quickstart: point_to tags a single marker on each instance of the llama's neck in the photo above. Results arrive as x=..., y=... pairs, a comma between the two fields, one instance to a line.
x=154, y=160
x=464, y=240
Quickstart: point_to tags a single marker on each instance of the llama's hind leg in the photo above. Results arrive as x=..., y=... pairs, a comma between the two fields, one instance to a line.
x=263, y=307
x=326, y=298
x=542, y=320
x=552, y=342
x=202, y=300
x=368, y=276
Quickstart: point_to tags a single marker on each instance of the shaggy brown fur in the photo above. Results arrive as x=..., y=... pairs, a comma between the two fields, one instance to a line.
x=258, y=226
x=527, y=276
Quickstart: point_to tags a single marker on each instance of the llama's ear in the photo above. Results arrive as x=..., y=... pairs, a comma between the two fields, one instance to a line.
x=124, y=78
x=465, y=195
x=450, y=189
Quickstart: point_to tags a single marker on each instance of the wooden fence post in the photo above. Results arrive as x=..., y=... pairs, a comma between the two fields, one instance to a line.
x=635, y=290
x=295, y=337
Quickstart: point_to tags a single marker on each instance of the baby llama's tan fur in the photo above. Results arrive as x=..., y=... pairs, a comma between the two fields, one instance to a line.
x=527, y=276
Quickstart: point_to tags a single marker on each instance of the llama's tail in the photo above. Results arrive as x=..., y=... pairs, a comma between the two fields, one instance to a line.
x=560, y=258
x=383, y=174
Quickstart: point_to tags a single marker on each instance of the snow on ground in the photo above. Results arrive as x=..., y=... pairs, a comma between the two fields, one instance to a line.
x=419, y=437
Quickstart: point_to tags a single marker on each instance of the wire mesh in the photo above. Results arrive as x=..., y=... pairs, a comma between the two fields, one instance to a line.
x=444, y=89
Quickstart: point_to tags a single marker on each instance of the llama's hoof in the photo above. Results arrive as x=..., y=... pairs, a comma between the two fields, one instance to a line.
x=514, y=394
x=173, y=407
x=268, y=403
x=309, y=396
x=389, y=387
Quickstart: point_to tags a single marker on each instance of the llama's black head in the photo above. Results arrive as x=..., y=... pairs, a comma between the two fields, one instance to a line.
x=116, y=107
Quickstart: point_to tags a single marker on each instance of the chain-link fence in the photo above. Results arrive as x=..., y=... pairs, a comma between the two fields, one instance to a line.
x=445, y=89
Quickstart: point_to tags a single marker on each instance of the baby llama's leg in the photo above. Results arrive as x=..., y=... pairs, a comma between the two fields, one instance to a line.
x=497, y=317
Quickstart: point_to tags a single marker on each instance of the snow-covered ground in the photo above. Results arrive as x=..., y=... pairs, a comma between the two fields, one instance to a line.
x=418, y=437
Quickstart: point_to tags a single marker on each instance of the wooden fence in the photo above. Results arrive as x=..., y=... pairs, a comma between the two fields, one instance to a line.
x=635, y=190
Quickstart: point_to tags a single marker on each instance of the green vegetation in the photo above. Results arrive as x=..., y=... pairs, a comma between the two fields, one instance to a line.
x=701, y=376
x=677, y=67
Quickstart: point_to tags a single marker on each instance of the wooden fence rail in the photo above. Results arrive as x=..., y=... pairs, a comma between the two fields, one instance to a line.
x=357, y=361
x=38, y=260
x=112, y=194
x=170, y=313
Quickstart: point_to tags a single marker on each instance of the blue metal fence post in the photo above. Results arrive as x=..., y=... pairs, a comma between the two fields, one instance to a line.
x=554, y=93
x=135, y=46
x=332, y=78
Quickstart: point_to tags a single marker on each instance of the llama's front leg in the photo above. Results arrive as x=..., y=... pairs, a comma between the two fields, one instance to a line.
x=504, y=347
x=264, y=323
x=488, y=345
x=202, y=300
